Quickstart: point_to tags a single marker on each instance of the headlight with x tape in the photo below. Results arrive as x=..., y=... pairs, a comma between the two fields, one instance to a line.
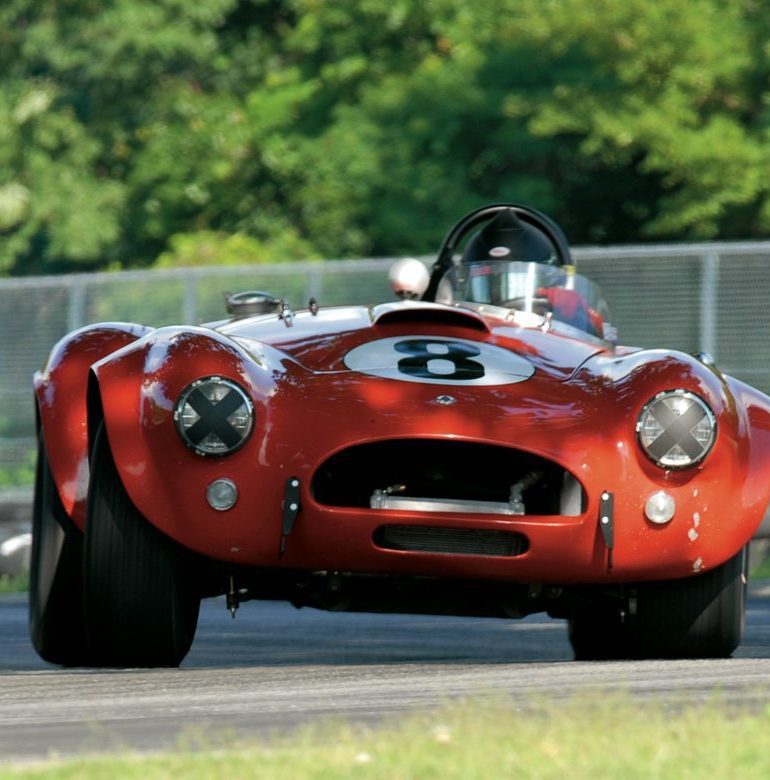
x=676, y=429
x=214, y=416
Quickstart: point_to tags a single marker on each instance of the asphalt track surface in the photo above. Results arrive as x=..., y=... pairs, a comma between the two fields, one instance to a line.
x=274, y=668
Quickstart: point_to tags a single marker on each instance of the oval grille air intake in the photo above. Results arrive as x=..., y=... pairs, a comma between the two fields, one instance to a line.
x=450, y=541
x=472, y=476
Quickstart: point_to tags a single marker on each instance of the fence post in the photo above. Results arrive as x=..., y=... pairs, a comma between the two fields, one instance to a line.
x=709, y=291
x=76, y=309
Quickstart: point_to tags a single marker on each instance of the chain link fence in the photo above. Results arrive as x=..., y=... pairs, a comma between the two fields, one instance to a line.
x=699, y=297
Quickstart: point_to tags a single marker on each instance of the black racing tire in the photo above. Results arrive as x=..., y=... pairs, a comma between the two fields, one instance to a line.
x=598, y=633
x=140, y=602
x=698, y=617
x=56, y=625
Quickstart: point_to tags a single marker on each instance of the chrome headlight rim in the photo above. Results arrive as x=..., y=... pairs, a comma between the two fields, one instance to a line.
x=664, y=460
x=215, y=423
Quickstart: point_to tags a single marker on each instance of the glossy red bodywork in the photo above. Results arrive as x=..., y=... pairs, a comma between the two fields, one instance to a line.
x=61, y=389
x=579, y=409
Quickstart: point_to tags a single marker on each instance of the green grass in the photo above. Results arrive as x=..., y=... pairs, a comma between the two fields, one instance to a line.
x=16, y=584
x=585, y=737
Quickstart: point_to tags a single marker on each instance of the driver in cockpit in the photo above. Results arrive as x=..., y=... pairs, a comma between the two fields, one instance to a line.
x=491, y=272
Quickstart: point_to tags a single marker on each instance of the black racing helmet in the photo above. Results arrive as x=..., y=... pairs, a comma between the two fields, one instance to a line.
x=508, y=238
x=508, y=232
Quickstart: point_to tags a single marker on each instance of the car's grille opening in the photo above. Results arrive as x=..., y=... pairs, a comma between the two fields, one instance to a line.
x=452, y=541
x=443, y=472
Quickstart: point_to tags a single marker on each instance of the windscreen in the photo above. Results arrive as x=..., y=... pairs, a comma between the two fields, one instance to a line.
x=547, y=290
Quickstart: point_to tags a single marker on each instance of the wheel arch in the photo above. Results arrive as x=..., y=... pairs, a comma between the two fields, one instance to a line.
x=134, y=393
x=61, y=407
x=753, y=410
x=94, y=410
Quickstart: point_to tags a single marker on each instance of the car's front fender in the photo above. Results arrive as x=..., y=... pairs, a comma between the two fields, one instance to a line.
x=137, y=391
x=727, y=494
x=60, y=391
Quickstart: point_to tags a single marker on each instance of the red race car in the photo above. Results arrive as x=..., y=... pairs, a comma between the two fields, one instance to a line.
x=480, y=447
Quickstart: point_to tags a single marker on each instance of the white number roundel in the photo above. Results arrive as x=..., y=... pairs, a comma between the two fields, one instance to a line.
x=435, y=360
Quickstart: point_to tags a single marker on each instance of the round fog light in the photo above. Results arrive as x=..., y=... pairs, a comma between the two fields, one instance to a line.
x=660, y=507
x=222, y=494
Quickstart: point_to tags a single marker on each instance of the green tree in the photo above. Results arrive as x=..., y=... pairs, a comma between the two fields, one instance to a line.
x=79, y=79
x=626, y=119
x=350, y=127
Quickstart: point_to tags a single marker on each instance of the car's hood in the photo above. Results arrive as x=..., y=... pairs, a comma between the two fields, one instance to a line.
x=332, y=339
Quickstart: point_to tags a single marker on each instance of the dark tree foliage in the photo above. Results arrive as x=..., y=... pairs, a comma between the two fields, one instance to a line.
x=135, y=132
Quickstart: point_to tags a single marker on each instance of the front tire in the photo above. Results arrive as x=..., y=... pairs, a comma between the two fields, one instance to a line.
x=56, y=624
x=140, y=604
x=697, y=617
